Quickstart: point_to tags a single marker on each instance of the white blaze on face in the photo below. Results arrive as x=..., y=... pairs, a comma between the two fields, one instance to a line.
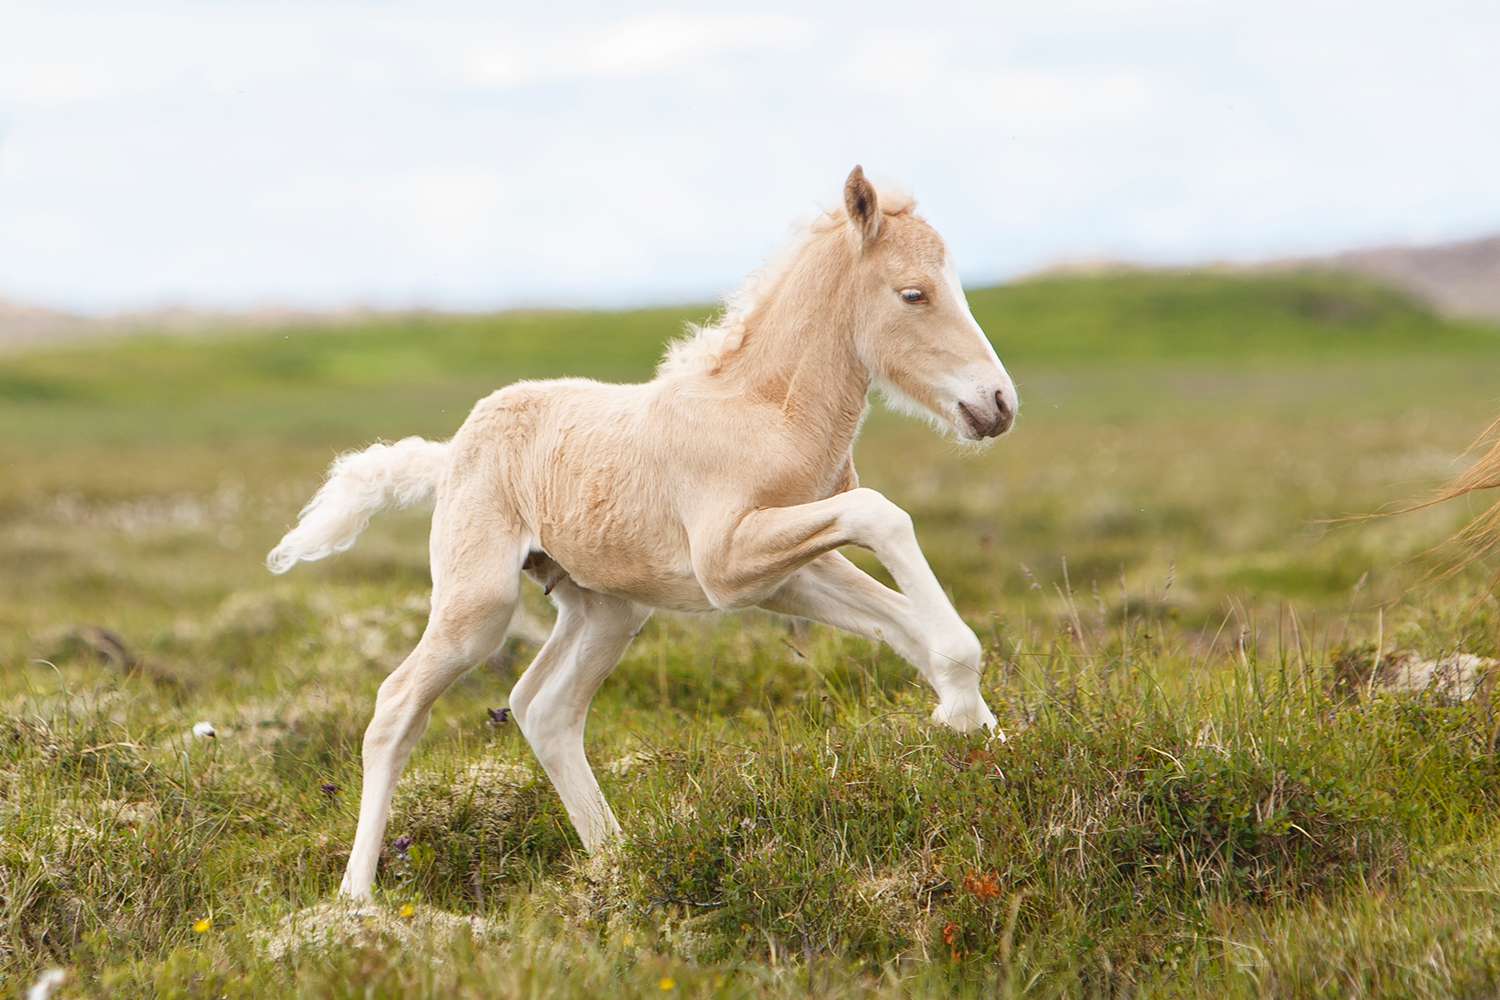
x=985, y=379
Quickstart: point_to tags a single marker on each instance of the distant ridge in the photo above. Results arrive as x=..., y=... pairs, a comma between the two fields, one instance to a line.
x=1457, y=279
x=24, y=325
x=1460, y=279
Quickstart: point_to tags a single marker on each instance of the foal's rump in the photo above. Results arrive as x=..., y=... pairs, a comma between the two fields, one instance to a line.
x=562, y=463
x=412, y=471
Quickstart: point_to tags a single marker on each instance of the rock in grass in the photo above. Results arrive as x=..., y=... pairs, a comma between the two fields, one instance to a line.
x=340, y=924
x=1456, y=677
x=104, y=645
x=1453, y=678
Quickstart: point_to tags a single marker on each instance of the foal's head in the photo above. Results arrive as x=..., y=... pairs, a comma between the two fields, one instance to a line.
x=915, y=330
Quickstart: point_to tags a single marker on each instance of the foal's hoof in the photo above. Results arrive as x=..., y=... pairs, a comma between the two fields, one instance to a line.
x=967, y=716
x=349, y=896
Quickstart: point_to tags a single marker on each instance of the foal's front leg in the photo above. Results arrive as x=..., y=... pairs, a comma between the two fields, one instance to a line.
x=834, y=591
x=746, y=561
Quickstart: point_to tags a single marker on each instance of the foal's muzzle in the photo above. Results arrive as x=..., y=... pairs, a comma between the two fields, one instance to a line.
x=986, y=421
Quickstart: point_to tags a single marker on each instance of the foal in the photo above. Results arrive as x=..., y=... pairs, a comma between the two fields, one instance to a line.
x=725, y=482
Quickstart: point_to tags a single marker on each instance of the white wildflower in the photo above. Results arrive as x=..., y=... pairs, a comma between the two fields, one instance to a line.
x=46, y=984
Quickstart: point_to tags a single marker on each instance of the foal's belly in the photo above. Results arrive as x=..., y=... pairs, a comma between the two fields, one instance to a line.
x=678, y=592
x=623, y=567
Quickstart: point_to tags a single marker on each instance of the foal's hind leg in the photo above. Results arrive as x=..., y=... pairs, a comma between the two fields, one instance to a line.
x=475, y=573
x=551, y=700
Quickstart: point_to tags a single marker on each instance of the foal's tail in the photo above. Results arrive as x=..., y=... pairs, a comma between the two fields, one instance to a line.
x=359, y=484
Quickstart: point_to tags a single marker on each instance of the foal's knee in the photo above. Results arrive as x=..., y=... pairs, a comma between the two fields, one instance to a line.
x=875, y=519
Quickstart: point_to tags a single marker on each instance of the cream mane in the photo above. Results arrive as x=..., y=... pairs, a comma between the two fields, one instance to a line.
x=705, y=345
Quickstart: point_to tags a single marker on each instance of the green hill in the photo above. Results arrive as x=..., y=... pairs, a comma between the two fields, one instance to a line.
x=1156, y=318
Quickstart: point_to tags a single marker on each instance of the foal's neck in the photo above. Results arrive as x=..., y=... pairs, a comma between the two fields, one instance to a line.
x=799, y=353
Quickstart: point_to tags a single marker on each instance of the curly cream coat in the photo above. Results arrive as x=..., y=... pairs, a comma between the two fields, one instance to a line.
x=726, y=482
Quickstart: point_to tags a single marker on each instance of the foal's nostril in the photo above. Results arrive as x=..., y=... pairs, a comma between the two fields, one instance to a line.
x=1004, y=415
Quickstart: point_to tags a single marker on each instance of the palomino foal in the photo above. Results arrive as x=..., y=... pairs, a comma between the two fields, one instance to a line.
x=725, y=482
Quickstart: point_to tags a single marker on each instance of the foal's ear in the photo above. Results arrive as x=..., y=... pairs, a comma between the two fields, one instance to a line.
x=862, y=205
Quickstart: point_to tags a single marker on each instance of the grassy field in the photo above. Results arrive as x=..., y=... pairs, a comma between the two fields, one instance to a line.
x=1201, y=792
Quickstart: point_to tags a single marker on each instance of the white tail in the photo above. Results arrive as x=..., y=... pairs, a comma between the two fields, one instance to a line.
x=360, y=484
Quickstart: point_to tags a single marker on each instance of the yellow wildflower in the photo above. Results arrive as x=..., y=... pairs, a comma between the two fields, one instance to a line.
x=203, y=926
x=408, y=911
x=667, y=984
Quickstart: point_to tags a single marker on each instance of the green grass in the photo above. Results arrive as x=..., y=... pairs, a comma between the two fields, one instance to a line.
x=1198, y=794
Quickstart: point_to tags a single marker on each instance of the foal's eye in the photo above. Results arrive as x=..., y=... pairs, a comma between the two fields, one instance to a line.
x=913, y=296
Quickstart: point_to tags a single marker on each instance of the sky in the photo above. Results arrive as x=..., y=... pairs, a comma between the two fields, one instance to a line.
x=225, y=154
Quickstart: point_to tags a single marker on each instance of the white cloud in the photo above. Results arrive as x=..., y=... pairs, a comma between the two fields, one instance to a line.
x=635, y=47
x=931, y=77
x=52, y=57
x=482, y=153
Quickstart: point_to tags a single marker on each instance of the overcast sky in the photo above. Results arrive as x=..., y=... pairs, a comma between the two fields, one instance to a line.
x=478, y=155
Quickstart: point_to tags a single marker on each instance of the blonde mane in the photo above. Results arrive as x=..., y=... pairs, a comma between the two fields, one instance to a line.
x=704, y=346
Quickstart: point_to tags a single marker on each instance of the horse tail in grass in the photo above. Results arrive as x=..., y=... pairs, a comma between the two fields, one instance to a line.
x=359, y=485
x=1481, y=535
